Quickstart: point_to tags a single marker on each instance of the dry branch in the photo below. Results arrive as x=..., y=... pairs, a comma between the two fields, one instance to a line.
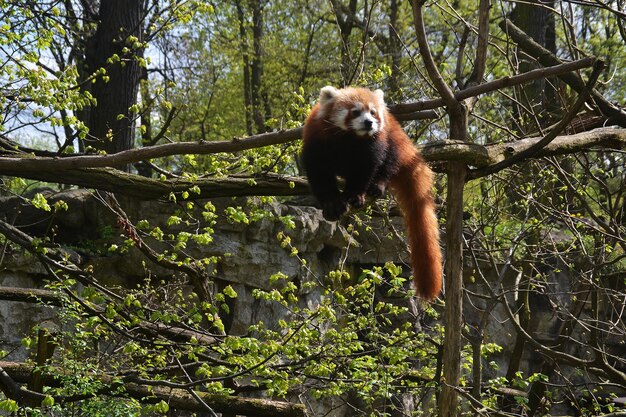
x=562, y=68
x=431, y=68
x=19, y=164
x=547, y=58
x=176, y=398
x=473, y=155
x=29, y=295
x=137, y=186
x=15, y=163
x=527, y=153
x=480, y=156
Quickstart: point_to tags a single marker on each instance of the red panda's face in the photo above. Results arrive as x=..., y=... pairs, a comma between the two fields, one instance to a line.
x=353, y=109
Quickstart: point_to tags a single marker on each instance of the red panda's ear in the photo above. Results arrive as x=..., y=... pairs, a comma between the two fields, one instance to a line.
x=381, y=95
x=327, y=95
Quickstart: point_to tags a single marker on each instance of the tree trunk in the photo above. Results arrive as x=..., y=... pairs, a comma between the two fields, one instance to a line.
x=395, y=50
x=111, y=121
x=255, y=98
x=256, y=67
x=448, y=400
x=541, y=95
x=243, y=42
x=345, y=22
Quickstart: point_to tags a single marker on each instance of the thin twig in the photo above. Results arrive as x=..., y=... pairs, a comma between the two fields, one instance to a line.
x=550, y=136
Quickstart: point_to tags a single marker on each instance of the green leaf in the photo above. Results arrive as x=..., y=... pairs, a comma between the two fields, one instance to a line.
x=40, y=202
x=230, y=292
x=9, y=406
x=48, y=401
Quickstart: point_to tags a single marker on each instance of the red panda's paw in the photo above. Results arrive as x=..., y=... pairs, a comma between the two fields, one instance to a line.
x=356, y=201
x=333, y=210
x=376, y=190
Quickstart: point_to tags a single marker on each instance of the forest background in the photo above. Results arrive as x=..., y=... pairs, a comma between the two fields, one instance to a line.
x=519, y=107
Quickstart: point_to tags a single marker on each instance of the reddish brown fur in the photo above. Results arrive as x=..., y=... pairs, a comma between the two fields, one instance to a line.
x=385, y=158
x=412, y=187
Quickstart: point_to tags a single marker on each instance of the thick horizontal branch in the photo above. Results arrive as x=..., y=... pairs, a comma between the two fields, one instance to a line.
x=108, y=179
x=473, y=155
x=547, y=58
x=176, y=398
x=29, y=295
x=560, y=68
x=21, y=164
x=14, y=164
x=479, y=156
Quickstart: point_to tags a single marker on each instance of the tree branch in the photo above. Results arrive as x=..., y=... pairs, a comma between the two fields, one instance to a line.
x=176, y=398
x=537, y=146
x=143, y=188
x=431, y=68
x=616, y=375
x=477, y=156
x=480, y=62
x=15, y=163
x=482, y=156
x=29, y=295
x=546, y=58
x=12, y=390
x=561, y=68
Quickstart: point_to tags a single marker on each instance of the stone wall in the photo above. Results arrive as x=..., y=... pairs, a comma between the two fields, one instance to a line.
x=255, y=255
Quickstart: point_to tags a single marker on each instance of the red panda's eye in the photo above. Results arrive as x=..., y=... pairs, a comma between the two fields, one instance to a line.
x=355, y=112
x=373, y=112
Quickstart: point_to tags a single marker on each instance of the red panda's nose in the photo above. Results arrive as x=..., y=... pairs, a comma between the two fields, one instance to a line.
x=367, y=124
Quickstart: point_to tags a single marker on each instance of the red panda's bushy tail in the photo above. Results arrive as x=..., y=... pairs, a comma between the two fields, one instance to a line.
x=412, y=188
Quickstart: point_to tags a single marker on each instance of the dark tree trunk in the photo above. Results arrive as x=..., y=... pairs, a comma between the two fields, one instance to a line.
x=395, y=50
x=540, y=95
x=243, y=42
x=255, y=98
x=256, y=67
x=345, y=20
x=110, y=121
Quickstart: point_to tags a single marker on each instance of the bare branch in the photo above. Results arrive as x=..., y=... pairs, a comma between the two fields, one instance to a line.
x=15, y=163
x=546, y=58
x=482, y=156
x=560, y=68
x=157, y=151
x=536, y=147
x=176, y=398
x=480, y=61
x=431, y=68
x=116, y=181
x=29, y=295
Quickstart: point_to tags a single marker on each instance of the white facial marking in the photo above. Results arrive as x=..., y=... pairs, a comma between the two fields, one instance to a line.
x=363, y=119
x=380, y=107
x=338, y=118
x=365, y=123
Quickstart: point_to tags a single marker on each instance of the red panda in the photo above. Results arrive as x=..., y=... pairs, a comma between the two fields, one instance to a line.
x=351, y=134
